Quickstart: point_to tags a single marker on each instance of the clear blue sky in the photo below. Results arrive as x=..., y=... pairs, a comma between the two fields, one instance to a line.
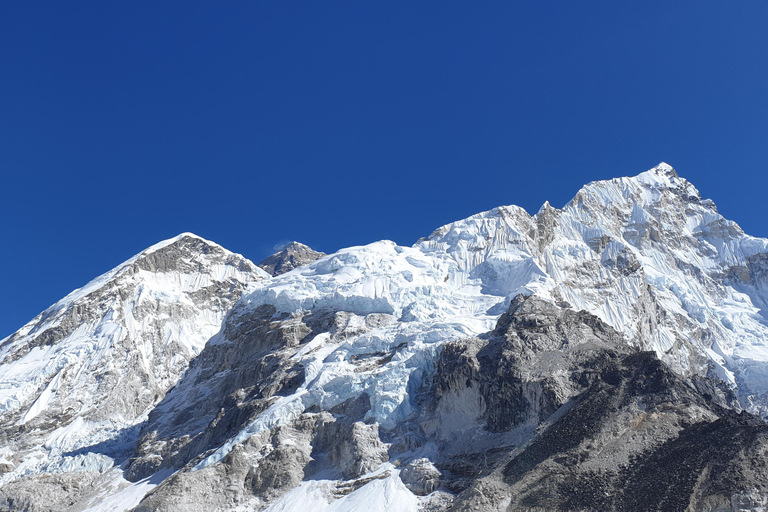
x=342, y=123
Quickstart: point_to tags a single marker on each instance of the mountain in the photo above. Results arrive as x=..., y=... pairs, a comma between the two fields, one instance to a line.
x=292, y=255
x=609, y=355
x=88, y=370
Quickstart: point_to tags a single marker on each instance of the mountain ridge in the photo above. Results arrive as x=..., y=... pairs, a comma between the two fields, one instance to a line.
x=90, y=365
x=322, y=383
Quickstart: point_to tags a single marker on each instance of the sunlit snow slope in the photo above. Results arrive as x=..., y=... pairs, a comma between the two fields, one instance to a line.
x=647, y=255
x=91, y=366
x=355, y=337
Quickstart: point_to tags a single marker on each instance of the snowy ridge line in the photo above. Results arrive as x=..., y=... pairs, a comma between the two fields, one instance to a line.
x=605, y=252
x=100, y=281
x=646, y=255
x=96, y=363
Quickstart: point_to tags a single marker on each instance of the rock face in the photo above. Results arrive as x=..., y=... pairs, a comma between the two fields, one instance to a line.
x=541, y=356
x=600, y=426
x=293, y=255
x=262, y=356
x=551, y=410
x=609, y=355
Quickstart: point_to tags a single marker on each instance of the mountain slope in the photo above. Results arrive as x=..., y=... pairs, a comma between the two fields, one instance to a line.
x=551, y=410
x=616, y=429
x=645, y=255
x=505, y=361
x=88, y=369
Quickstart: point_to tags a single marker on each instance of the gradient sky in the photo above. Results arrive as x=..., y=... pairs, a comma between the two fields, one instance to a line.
x=342, y=123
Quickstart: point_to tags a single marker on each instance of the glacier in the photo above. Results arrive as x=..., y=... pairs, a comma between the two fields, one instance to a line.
x=646, y=255
x=621, y=249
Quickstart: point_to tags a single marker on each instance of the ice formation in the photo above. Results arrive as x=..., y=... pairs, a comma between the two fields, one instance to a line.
x=646, y=255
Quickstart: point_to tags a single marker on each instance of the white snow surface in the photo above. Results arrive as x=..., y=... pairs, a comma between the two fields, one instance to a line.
x=103, y=363
x=121, y=495
x=622, y=249
x=385, y=493
x=645, y=254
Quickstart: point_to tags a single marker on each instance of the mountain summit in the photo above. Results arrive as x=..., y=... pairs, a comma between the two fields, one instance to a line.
x=292, y=255
x=91, y=367
x=608, y=355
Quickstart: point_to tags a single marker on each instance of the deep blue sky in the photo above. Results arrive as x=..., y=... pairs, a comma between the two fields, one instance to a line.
x=342, y=123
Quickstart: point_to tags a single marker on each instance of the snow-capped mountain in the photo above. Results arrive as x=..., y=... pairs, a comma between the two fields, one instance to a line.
x=506, y=360
x=92, y=366
x=648, y=256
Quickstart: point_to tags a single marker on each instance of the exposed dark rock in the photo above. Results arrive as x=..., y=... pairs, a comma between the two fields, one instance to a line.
x=293, y=255
x=244, y=372
x=420, y=476
x=354, y=449
x=615, y=428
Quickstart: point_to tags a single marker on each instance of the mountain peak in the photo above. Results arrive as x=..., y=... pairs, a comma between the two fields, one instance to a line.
x=182, y=237
x=663, y=175
x=665, y=168
x=469, y=362
x=292, y=255
x=98, y=360
x=544, y=207
x=188, y=251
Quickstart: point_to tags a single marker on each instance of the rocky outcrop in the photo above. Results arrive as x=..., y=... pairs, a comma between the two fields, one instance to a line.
x=62, y=492
x=421, y=476
x=270, y=463
x=293, y=255
x=265, y=466
x=248, y=368
x=235, y=378
x=354, y=449
x=598, y=425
